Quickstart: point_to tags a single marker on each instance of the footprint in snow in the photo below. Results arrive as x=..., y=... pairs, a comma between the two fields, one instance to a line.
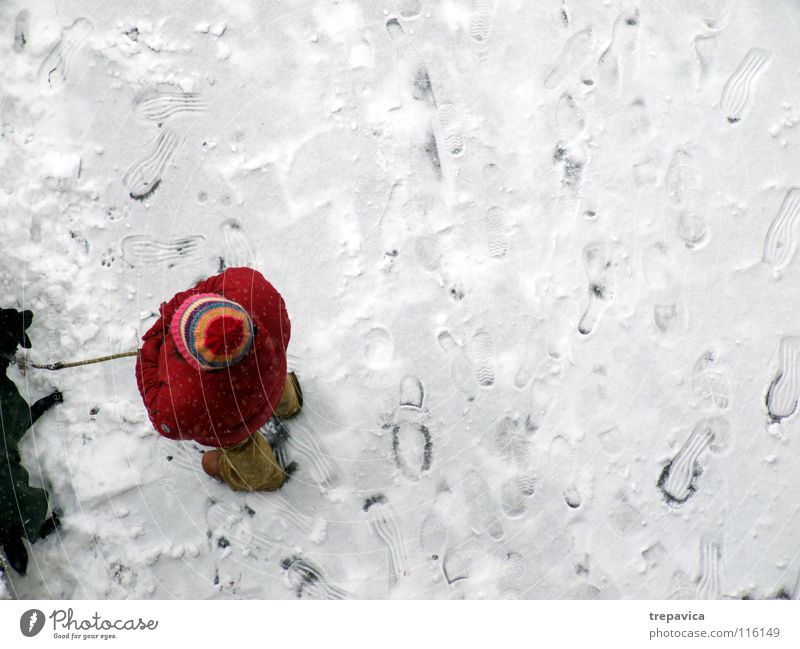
x=481, y=20
x=140, y=250
x=450, y=128
x=306, y=442
x=599, y=271
x=144, y=176
x=662, y=282
x=563, y=463
x=237, y=246
x=309, y=581
x=477, y=504
x=709, y=381
x=229, y=528
x=708, y=584
x=784, y=391
x=272, y=506
x=57, y=65
x=575, y=51
x=780, y=243
x=21, y=31
x=678, y=478
x=511, y=581
x=163, y=102
x=616, y=65
x=515, y=448
x=738, y=93
x=385, y=525
x=434, y=533
x=683, y=183
x=412, y=445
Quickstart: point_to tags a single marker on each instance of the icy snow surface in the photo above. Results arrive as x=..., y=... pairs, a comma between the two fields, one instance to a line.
x=540, y=260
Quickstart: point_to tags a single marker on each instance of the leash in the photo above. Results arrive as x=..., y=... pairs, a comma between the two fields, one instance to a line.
x=88, y=361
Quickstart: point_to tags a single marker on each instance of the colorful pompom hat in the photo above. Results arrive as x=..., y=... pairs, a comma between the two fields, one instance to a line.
x=211, y=332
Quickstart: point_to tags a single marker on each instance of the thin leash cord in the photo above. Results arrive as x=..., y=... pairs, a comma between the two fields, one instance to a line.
x=89, y=361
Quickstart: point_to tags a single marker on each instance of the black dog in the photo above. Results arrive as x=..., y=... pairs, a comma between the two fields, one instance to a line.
x=23, y=508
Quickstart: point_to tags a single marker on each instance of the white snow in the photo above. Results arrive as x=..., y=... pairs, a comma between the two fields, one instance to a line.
x=554, y=241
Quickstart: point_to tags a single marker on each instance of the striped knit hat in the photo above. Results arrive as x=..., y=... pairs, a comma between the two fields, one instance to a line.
x=211, y=332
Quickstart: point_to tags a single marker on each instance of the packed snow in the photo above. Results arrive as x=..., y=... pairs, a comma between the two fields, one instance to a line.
x=538, y=258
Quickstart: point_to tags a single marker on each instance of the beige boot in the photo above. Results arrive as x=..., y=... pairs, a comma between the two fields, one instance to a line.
x=210, y=462
x=292, y=398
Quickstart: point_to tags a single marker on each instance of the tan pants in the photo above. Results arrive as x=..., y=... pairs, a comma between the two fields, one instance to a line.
x=251, y=465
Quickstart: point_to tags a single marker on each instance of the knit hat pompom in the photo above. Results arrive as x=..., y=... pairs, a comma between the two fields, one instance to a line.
x=211, y=332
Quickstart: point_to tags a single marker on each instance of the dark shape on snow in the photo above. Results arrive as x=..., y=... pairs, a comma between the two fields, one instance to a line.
x=373, y=500
x=23, y=508
x=276, y=433
x=432, y=149
x=141, y=197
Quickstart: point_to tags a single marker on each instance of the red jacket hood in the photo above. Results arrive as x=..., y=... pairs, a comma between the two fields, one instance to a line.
x=222, y=407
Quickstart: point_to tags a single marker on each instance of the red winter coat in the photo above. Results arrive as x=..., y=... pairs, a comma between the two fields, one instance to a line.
x=221, y=407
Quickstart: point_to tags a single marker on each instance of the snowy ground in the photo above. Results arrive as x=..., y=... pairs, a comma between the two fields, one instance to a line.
x=533, y=253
